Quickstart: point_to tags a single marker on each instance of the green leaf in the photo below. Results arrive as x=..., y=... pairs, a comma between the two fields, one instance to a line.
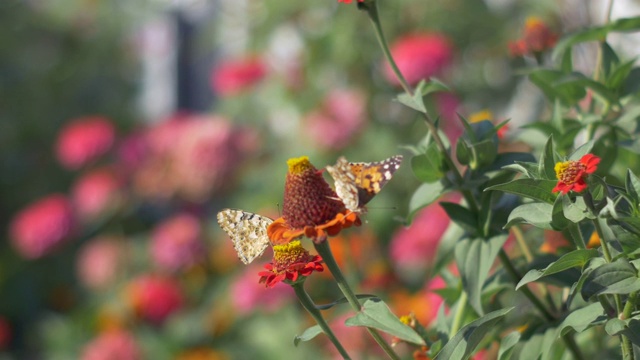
x=574, y=259
x=619, y=75
x=431, y=86
x=582, y=150
x=503, y=160
x=463, y=152
x=574, y=212
x=464, y=342
x=629, y=328
x=618, y=277
x=424, y=196
x=537, y=214
x=558, y=220
x=462, y=216
x=507, y=344
x=632, y=185
x=583, y=318
x=557, y=85
x=484, y=153
x=474, y=258
x=376, y=314
x=571, y=82
x=307, y=335
x=631, y=83
x=547, y=163
x=540, y=190
x=428, y=166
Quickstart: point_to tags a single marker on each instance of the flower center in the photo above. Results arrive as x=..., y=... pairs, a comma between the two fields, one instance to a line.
x=288, y=254
x=570, y=171
x=299, y=165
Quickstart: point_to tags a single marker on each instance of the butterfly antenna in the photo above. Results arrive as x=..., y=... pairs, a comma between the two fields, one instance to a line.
x=279, y=213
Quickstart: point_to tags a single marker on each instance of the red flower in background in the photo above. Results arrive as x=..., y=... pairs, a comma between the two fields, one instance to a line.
x=419, y=56
x=42, y=226
x=176, y=243
x=537, y=38
x=112, y=345
x=341, y=116
x=99, y=260
x=95, y=192
x=231, y=77
x=154, y=298
x=83, y=140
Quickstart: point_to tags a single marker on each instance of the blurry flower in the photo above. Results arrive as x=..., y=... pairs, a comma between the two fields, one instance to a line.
x=42, y=226
x=99, y=261
x=202, y=353
x=571, y=173
x=537, y=38
x=249, y=295
x=341, y=117
x=424, y=304
x=419, y=56
x=231, y=77
x=112, y=345
x=421, y=354
x=154, y=297
x=594, y=240
x=554, y=240
x=95, y=192
x=176, y=243
x=413, y=248
x=310, y=206
x=83, y=140
x=290, y=262
x=488, y=115
x=191, y=156
x=5, y=333
x=448, y=106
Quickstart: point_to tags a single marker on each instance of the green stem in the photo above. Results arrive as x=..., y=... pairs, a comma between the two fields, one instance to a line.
x=309, y=305
x=372, y=11
x=324, y=251
x=522, y=243
x=576, y=236
x=459, y=315
x=627, y=347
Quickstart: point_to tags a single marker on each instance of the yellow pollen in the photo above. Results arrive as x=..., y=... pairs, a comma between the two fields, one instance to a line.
x=569, y=171
x=405, y=319
x=288, y=253
x=299, y=165
x=481, y=115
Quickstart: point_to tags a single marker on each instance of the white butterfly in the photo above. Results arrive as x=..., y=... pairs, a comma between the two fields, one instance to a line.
x=248, y=232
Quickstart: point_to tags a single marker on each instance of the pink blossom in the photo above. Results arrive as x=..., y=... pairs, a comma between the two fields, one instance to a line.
x=448, y=106
x=154, y=297
x=112, y=345
x=231, y=77
x=419, y=56
x=176, y=243
x=42, y=226
x=95, y=192
x=83, y=140
x=99, y=261
x=414, y=248
x=342, y=115
x=248, y=295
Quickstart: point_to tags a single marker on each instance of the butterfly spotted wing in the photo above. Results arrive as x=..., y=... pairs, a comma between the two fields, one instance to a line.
x=248, y=232
x=357, y=183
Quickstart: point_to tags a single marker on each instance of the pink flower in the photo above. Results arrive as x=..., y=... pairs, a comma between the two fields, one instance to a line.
x=448, y=106
x=231, y=77
x=95, y=192
x=112, y=345
x=419, y=56
x=176, y=243
x=99, y=261
x=248, y=295
x=42, y=226
x=5, y=333
x=414, y=248
x=340, y=118
x=83, y=140
x=154, y=298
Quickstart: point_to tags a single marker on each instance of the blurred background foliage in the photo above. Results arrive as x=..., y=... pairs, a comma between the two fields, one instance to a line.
x=314, y=85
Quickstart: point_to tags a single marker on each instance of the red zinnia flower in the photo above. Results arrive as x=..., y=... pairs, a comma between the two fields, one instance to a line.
x=537, y=38
x=571, y=174
x=310, y=206
x=290, y=261
x=83, y=140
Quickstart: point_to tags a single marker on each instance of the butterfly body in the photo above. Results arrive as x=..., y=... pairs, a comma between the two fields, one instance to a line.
x=357, y=183
x=248, y=232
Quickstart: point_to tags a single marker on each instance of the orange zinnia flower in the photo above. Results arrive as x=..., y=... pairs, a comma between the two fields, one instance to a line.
x=290, y=261
x=537, y=38
x=571, y=174
x=310, y=206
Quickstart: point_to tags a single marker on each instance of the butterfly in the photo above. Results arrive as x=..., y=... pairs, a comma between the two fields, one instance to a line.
x=357, y=183
x=248, y=232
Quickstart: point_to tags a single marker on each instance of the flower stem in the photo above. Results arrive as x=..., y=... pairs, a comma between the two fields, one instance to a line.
x=324, y=251
x=308, y=304
x=459, y=315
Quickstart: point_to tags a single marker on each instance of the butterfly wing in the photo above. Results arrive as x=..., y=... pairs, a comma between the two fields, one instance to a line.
x=345, y=183
x=248, y=232
x=371, y=177
x=357, y=183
